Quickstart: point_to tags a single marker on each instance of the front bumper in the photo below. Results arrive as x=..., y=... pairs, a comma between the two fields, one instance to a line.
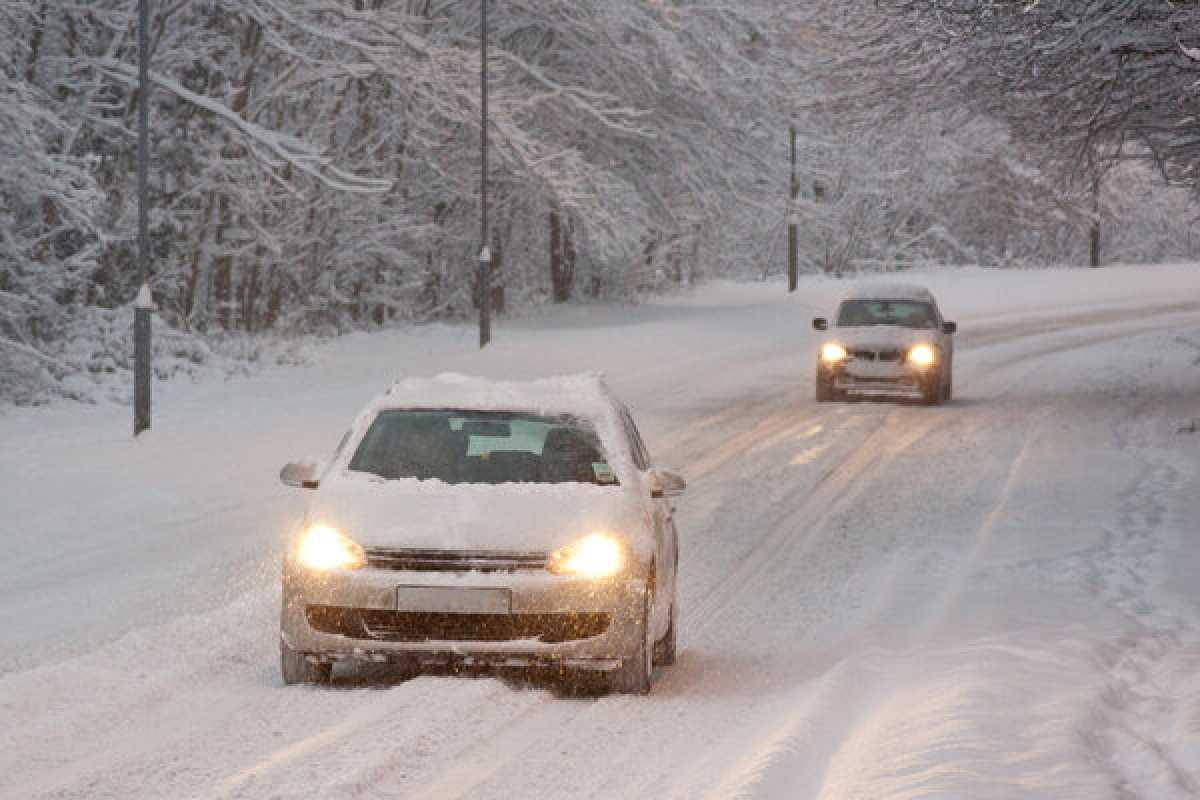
x=879, y=380
x=554, y=621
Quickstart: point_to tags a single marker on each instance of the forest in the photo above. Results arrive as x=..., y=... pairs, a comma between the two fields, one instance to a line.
x=315, y=163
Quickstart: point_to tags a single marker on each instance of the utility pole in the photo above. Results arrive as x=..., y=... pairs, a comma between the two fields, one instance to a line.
x=485, y=254
x=793, y=233
x=144, y=305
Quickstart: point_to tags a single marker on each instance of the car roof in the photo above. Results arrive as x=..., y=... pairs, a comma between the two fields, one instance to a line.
x=585, y=395
x=889, y=291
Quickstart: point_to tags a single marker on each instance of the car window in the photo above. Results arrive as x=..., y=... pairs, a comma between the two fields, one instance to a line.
x=902, y=313
x=482, y=447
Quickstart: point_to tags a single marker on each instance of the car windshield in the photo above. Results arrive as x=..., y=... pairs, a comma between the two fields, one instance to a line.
x=482, y=447
x=904, y=313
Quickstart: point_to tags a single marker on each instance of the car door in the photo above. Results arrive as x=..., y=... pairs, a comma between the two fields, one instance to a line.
x=661, y=511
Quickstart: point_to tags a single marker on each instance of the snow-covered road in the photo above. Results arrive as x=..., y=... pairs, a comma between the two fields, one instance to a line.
x=998, y=598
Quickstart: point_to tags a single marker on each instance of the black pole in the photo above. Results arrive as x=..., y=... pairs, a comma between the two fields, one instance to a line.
x=485, y=288
x=793, y=234
x=144, y=306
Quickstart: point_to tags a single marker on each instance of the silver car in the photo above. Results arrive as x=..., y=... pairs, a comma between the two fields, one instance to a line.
x=468, y=522
x=886, y=341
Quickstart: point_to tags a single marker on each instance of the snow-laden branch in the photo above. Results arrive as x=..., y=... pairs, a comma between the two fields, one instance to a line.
x=288, y=149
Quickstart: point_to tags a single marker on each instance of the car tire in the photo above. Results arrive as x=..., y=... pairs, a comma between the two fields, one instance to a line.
x=948, y=390
x=296, y=668
x=665, y=650
x=825, y=391
x=933, y=391
x=637, y=670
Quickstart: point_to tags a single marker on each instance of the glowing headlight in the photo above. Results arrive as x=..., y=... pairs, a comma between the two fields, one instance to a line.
x=595, y=556
x=922, y=355
x=832, y=353
x=324, y=548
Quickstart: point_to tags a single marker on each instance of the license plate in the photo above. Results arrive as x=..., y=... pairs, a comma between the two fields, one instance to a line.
x=453, y=600
x=875, y=371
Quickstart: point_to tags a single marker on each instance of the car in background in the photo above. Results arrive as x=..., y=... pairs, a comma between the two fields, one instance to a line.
x=466, y=522
x=887, y=340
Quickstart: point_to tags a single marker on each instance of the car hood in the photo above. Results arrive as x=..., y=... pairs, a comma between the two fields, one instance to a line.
x=507, y=517
x=882, y=336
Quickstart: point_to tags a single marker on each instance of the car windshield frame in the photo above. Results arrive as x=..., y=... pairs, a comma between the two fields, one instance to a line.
x=463, y=447
x=858, y=313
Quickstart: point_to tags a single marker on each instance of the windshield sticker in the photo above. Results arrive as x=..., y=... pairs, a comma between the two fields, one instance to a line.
x=603, y=472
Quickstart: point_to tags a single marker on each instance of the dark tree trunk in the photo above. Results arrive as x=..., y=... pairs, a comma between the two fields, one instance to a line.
x=35, y=44
x=223, y=268
x=274, y=299
x=562, y=259
x=1094, y=237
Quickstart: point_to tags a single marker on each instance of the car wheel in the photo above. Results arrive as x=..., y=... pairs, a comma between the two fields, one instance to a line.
x=296, y=667
x=933, y=391
x=664, y=651
x=948, y=394
x=636, y=672
x=825, y=391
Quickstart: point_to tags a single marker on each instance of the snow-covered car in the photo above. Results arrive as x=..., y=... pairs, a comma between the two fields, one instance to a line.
x=470, y=522
x=886, y=341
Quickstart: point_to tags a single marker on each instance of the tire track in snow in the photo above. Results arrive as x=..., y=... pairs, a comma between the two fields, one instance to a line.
x=809, y=513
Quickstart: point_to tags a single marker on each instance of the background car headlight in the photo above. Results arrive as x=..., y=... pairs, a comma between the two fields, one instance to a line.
x=922, y=355
x=324, y=548
x=832, y=353
x=595, y=556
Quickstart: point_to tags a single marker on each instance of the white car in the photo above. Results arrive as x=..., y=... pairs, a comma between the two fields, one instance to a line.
x=470, y=522
x=887, y=340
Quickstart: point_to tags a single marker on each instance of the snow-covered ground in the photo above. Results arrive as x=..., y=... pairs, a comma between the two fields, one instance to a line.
x=998, y=598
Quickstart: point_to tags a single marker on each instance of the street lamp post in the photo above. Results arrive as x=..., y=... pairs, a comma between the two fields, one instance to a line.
x=485, y=256
x=793, y=232
x=144, y=305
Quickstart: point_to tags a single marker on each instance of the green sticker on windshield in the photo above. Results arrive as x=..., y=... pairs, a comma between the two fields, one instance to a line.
x=603, y=472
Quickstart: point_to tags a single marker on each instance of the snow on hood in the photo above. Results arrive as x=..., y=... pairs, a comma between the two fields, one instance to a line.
x=510, y=517
x=880, y=336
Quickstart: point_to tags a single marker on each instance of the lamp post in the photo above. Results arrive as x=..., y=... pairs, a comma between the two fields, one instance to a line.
x=485, y=255
x=144, y=305
x=793, y=233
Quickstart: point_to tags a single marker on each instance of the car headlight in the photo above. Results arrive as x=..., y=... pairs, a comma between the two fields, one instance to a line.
x=922, y=355
x=595, y=556
x=833, y=353
x=324, y=548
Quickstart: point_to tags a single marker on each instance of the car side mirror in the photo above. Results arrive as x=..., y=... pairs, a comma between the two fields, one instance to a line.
x=949, y=327
x=664, y=483
x=302, y=474
x=820, y=324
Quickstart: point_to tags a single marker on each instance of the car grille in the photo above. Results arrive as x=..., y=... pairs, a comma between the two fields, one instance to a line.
x=453, y=560
x=888, y=354
x=414, y=626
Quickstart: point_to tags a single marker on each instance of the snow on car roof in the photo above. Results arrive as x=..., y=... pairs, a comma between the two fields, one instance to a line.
x=583, y=395
x=889, y=291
